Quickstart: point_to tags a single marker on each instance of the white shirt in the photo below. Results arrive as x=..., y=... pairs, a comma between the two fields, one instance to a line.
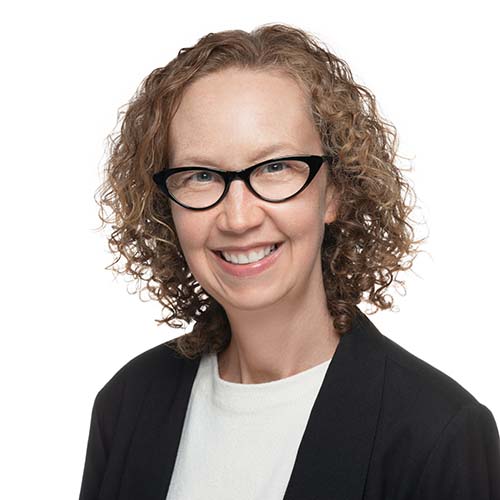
x=240, y=441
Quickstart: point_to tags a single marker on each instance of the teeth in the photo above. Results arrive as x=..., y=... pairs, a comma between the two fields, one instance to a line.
x=254, y=256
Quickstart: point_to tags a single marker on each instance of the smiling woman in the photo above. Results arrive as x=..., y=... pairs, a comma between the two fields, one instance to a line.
x=254, y=183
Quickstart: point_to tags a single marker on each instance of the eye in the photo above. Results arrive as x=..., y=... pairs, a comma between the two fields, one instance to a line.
x=198, y=176
x=193, y=179
x=272, y=165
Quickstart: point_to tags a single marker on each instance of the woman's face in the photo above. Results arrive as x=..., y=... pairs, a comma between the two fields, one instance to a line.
x=231, y=120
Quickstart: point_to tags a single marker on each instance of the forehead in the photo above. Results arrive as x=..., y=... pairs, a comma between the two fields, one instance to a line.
x=239, y=112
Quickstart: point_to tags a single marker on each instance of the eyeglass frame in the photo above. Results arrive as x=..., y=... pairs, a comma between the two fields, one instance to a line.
x=315, y=162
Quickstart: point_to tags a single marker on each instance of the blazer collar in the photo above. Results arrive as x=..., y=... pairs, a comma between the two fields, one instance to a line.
x=334, y=453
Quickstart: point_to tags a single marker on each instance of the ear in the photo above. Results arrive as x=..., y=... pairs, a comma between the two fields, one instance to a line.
x=331, y=205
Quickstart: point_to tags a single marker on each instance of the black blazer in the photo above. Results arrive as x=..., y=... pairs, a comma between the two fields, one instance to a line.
x=384, y=426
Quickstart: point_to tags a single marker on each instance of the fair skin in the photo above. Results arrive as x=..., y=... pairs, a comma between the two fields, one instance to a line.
x=279, y=320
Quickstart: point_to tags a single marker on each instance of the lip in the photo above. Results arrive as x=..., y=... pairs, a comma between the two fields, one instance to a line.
x=248, y=270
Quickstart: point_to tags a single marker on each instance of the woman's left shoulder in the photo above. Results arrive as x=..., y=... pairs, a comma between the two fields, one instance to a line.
x=430, y=424
x=410, y=377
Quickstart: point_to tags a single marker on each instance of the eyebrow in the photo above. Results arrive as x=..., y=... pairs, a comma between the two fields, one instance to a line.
x=274, y=149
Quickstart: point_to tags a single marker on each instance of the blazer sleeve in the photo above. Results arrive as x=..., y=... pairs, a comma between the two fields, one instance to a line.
x=465, y=461
x=104, y=416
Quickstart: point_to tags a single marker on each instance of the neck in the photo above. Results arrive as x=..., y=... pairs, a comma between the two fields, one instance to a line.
x=286, y=338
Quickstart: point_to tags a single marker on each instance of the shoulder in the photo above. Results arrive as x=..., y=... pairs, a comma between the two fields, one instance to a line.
x=431, y=427
x=423, y=402
x=411, y=377
x=415, y=393
x=132, y=380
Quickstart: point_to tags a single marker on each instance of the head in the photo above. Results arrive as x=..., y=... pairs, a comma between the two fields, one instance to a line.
x=222, y=103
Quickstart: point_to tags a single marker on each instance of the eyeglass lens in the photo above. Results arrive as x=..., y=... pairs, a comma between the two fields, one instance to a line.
x=273, y=181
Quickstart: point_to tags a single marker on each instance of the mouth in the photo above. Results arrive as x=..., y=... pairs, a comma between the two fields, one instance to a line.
x=273, y=249
x=250, y=269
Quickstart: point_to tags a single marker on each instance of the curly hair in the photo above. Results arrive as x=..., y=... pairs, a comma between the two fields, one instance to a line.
x=362, y=250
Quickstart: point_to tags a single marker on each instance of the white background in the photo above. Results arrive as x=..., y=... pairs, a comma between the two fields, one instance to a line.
x=67, y=325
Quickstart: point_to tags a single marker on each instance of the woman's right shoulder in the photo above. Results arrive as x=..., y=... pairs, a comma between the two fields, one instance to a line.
x=147, y=383
x=132, y=381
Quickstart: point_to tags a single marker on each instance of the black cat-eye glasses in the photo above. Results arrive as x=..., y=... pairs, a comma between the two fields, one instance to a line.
x=275, y=180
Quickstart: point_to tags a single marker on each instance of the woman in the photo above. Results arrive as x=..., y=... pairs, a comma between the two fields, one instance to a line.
x=253, y=186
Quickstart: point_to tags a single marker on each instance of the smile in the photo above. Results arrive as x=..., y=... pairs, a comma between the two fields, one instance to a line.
x=249, y=264
x=249, y=257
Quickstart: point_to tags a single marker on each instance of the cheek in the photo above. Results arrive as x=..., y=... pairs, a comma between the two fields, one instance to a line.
x=192, y=232
x=305, y=220
x=186, y=230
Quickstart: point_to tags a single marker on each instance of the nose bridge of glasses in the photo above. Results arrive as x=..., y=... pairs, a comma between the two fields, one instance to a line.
x=235, y=175
x=238, y=175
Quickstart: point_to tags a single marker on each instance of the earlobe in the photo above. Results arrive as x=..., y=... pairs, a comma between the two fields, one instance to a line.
x=330, y=216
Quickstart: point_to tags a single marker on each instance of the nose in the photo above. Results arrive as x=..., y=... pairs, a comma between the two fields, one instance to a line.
x=239, y=210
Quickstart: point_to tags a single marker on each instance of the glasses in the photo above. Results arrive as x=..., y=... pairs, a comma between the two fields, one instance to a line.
x=276, y=180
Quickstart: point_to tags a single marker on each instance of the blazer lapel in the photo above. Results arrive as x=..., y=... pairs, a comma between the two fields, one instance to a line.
x=334, y=453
